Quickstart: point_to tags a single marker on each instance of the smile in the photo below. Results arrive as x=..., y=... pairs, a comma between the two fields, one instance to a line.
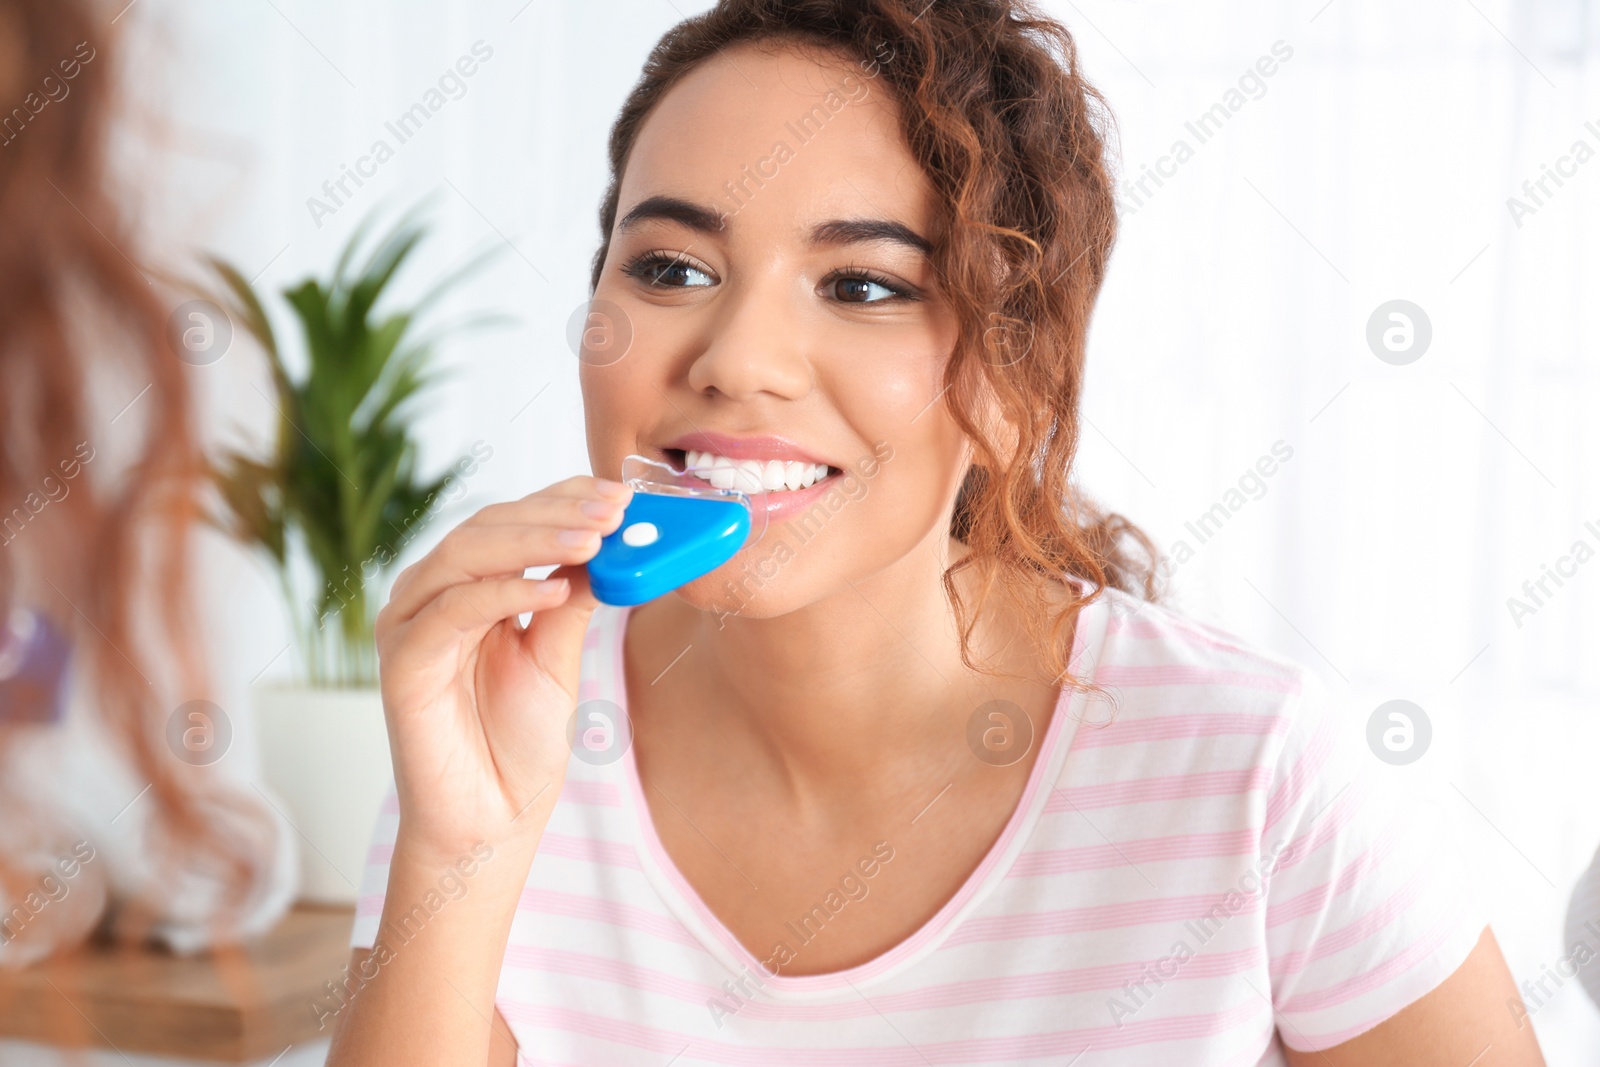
x=752, y=475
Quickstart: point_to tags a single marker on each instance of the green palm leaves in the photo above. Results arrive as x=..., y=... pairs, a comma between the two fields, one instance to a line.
x=341, y=478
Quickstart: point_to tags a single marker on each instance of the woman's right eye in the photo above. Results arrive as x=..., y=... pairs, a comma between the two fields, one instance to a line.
x=667, y=271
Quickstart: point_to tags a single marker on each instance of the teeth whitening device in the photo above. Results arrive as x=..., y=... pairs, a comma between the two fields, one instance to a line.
x=677, y=527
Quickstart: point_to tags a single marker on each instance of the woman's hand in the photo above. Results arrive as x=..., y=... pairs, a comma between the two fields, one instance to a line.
x=477, y=707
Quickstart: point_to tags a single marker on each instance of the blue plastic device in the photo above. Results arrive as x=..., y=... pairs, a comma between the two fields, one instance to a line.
x=676, y=528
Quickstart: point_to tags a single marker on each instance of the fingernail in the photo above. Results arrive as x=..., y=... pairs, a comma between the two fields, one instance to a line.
x=606, y=487
x=598, y=509
x=576, y=538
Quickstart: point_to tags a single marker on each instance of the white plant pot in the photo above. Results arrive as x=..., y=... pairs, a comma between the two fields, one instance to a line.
x=325, y=757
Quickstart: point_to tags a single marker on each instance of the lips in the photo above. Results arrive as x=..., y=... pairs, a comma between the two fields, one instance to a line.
x=753, y=460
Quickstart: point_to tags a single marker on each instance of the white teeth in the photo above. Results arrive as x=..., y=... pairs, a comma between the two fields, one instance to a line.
x=754, y=475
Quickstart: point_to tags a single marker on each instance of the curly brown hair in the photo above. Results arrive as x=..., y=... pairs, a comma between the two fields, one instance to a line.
x=1014, y=140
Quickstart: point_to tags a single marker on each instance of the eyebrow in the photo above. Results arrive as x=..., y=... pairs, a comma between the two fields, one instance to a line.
x=850, y=231
x=833, y=232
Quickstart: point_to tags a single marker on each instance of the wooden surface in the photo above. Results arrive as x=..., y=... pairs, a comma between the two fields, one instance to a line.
x=234, y=1006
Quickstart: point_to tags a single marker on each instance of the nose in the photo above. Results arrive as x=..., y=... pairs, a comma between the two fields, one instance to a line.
x=757, y=344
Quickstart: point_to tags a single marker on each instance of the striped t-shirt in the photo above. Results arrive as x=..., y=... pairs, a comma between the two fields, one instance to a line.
x=1205, y=864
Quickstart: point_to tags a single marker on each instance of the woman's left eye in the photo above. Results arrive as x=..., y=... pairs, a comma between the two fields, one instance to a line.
x=862, y=289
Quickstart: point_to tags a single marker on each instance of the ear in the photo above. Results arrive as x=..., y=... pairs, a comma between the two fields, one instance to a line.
x=1000, y=429
x=1007, y=342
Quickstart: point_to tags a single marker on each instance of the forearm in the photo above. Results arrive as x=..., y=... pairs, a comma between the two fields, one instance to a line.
x=426, y=993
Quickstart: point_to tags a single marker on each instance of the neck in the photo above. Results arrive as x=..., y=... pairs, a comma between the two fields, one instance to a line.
x=835, y=697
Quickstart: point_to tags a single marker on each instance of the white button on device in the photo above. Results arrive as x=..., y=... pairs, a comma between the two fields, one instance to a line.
x=640, y=534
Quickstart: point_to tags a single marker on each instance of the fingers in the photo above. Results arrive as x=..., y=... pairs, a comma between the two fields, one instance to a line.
x=528, y=508
x=467, y=611
x=471, y=554
x=506, y=539
x=557, y=639
x=582, y=597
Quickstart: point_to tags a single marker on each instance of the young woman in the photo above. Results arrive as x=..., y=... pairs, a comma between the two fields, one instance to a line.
x=922, y=776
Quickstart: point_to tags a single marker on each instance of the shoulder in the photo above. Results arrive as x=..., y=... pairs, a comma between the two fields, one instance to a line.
x=1159, y=672
x=1188, y=719
x=1159, y=637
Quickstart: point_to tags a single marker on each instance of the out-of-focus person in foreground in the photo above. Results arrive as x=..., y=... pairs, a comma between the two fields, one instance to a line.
x=101, y=822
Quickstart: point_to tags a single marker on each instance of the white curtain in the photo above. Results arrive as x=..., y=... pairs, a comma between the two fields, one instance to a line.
x=1369, y=517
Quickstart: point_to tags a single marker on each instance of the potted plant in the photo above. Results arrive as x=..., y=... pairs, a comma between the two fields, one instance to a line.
x=332, y=504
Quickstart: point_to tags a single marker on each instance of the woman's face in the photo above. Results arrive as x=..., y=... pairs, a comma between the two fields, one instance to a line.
x=769, y=278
